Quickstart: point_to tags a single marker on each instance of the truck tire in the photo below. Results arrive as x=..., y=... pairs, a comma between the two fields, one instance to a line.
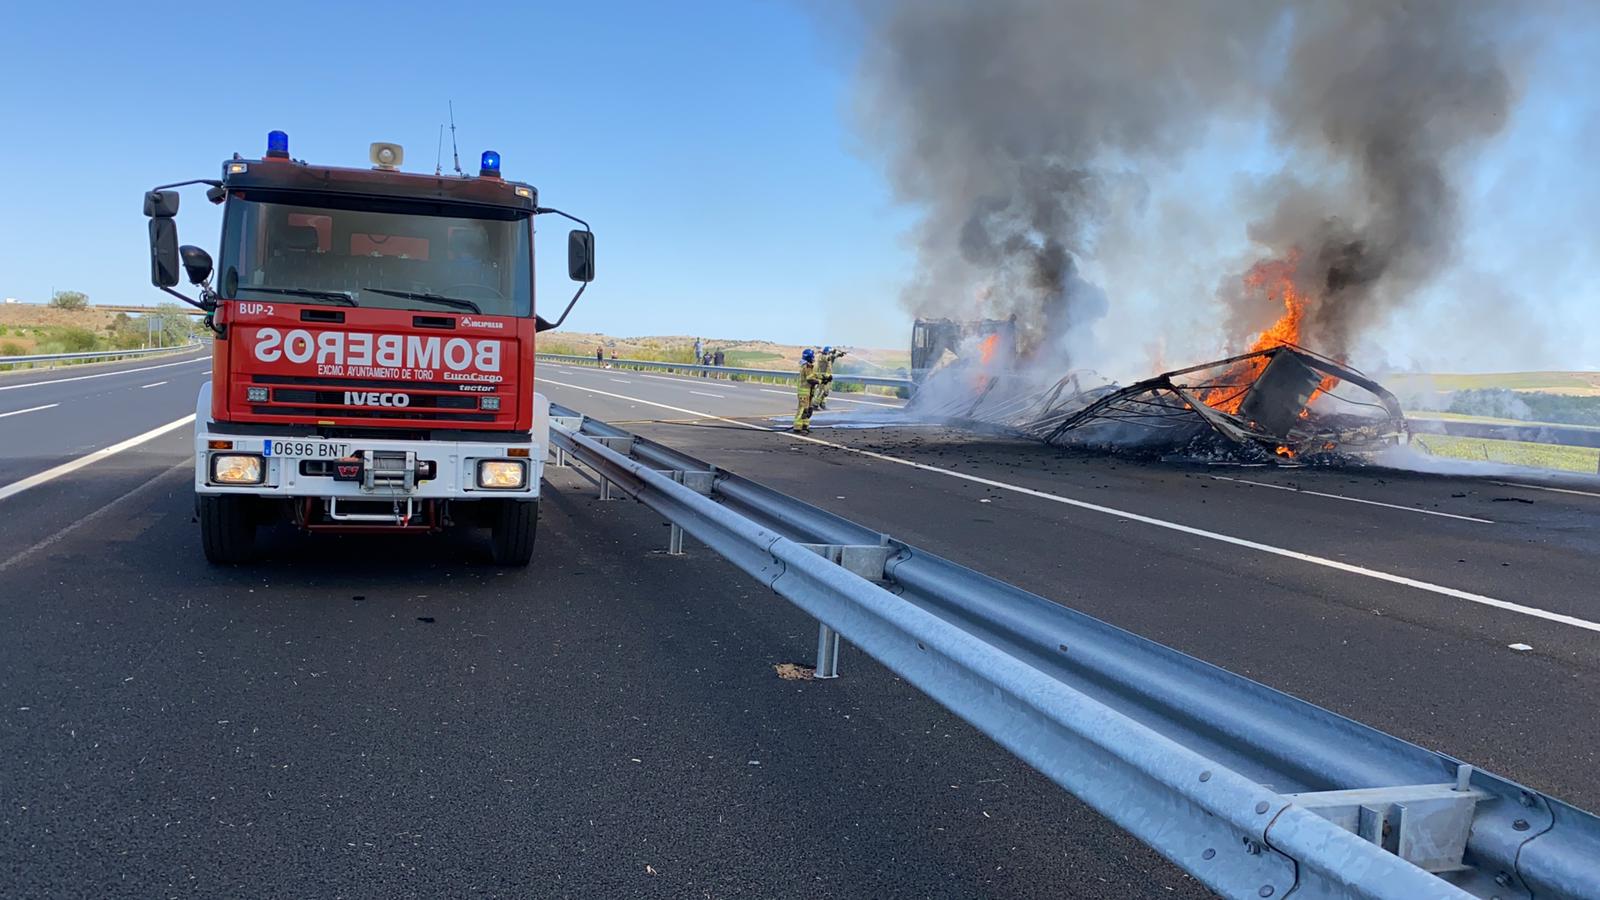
x=512, y=528
x=227, y=528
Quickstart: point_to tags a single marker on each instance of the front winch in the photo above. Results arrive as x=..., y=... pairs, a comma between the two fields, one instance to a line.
x=388, y=470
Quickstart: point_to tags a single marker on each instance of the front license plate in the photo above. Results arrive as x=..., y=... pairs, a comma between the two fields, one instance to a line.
x=305, y=449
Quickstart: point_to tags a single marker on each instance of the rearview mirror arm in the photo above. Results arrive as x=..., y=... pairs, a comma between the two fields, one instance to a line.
x=539, y=211
x=205, y=302
x=206, y=181
x=540, y=323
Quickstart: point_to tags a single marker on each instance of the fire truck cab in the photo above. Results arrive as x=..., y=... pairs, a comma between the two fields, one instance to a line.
x=374, y=349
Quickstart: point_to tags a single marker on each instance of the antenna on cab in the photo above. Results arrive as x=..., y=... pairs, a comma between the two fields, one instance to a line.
x=438, y=153
x=456, y=154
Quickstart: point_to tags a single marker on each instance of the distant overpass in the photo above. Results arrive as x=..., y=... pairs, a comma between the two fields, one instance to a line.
x=145, y=310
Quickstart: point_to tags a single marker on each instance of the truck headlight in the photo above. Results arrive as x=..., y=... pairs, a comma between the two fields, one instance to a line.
x=236, y=468
x=502, y=474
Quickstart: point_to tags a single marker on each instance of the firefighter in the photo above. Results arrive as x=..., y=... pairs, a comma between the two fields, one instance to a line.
x=825, y=371
x=806, y=388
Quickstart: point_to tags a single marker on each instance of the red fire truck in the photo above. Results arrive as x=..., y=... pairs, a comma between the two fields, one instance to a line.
x=374, y=339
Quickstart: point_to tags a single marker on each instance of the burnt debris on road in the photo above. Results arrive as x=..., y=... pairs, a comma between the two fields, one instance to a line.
x=1279, y=403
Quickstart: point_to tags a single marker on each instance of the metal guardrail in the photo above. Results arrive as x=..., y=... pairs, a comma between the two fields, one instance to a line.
x=1254, y=792
x=780, y=374
x=1531, y=432
x=86, y=357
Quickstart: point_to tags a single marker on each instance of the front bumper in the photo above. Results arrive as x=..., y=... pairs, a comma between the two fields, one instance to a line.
x=442, y=470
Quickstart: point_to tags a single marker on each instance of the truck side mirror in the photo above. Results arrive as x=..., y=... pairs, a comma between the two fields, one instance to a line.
x=164, y=251
x=161, y=204
x=196, y=262
x=580, y=255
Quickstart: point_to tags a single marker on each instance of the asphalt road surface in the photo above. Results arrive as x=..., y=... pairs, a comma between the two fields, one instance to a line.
x=374, y=718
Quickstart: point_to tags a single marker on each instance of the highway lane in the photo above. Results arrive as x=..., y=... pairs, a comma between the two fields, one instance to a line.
x=725, y=397
x=1535, y=550
x=352, y=717
x=47, y=417
x=73, y=414
x=1426, y=665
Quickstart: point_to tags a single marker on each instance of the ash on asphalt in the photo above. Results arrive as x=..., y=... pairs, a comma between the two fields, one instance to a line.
x=606, y=723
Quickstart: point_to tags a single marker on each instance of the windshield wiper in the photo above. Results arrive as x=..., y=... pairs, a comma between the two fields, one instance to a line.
x=337, y=296
x=440, y=299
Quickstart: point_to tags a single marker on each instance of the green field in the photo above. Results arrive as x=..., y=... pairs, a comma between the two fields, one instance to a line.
x=1489, y=420
x=1553, y=382
x=1514, y=453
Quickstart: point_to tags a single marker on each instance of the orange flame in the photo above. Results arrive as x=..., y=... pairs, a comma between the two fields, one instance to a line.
x=986, y=349
x=1276, y=278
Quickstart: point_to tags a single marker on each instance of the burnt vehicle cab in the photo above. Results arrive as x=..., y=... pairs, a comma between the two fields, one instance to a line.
x=374, y=349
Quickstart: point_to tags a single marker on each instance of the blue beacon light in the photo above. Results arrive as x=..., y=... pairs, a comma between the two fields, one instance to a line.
x=490, y=165
x=277, y=145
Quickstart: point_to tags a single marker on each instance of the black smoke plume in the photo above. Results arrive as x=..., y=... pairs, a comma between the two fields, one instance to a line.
x=1022, y=129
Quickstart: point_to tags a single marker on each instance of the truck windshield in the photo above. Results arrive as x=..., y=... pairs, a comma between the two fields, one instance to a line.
x=376, y=253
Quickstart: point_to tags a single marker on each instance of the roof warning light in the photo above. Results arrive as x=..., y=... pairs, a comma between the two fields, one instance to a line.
x=490, y=167
x=277, y=145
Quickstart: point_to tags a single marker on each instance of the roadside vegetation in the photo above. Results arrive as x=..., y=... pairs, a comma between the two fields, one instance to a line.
x=1513, y=453
x=69, y=325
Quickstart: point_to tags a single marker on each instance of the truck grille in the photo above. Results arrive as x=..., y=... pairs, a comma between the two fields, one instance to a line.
x=364, y=412
x=418, y=401
x=303, y=397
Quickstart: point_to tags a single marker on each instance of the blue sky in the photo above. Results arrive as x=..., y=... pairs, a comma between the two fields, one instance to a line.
x=707, y=146
x=711, y=146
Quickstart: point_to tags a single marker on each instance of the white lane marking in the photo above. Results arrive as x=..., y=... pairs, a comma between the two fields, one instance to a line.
x=66, y=468
x=1295, y=490
x=704, y=394
x=867, y=402
x=18, y=412
x=151, y=385
x=771, y=391
x=1349, y=568
x=622, y=381
x=183, y=362
x=92, y=517
x=1553, y=490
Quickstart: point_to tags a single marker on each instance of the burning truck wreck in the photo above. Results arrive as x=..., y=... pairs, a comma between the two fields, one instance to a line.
x=1279, y=403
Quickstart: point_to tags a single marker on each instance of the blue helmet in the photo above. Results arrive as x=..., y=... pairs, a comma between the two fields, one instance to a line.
x=827, y=349
x=808, y=354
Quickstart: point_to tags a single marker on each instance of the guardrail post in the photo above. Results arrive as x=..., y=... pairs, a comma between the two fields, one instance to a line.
x=605, y=487
x=827, y=652
x=702, y=485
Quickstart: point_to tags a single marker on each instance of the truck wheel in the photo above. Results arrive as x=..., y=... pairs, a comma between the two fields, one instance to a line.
x=511, y=531
x=227, y=528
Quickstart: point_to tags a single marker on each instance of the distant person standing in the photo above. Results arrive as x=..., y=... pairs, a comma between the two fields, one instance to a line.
x=599, y=354
x=699, y=349
x=806, y=389
x=825, y=372
x=716, y=358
